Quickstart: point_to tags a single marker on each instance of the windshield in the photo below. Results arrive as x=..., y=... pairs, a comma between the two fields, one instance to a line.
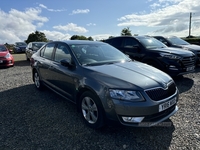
x=152, y=43
x=97, y=54
x=37, y=46
x=20, y=44
x=2, y=48
x=177, y=41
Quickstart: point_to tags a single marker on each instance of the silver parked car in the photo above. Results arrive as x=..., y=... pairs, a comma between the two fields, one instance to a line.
x=104, y=83
x=32, y=47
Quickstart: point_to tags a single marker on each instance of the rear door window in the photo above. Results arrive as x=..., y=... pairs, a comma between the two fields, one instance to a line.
x=47, y=51
x=117, y=42
x=130, y=42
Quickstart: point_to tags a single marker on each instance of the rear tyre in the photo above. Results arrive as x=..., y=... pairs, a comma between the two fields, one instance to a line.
x=91, y=110
x=37, y=81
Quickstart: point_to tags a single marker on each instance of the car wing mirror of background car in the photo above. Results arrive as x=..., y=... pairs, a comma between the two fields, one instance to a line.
x=166, y=43
x=137, y=48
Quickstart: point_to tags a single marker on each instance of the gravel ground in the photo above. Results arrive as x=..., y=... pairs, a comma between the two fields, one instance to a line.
x=30, y=119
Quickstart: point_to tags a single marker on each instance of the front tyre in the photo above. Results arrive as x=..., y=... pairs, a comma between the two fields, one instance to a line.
x=37, y=81
x=91, y=110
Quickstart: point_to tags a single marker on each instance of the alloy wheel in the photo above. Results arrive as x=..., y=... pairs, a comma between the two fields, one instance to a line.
x=89, y=110
x=37, y=80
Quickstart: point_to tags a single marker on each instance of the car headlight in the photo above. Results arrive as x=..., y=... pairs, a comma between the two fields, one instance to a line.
x=170, y=56
x=126, y=95
x=7, y=55
x=186, y=48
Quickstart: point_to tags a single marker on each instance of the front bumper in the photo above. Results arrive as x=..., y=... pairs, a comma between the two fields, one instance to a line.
x=6, y=62
x=148, y=111
x=180, y=66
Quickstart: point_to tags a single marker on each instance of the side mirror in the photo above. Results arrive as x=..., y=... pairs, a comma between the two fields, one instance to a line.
x=67, y=63
x=166, y=43
x=137, y=48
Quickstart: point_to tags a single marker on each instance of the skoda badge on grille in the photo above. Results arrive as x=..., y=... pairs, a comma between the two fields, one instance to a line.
x=164, y=85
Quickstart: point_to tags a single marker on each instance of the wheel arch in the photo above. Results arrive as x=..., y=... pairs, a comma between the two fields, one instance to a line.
x=82, y=90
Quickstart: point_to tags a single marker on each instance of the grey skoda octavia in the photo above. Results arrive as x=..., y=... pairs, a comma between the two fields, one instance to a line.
x=104, y=83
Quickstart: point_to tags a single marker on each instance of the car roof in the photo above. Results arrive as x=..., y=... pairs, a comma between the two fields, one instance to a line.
x=136, y=37
x=37, y=42
x=70, y=42
x=171, y=36
x=20, y=42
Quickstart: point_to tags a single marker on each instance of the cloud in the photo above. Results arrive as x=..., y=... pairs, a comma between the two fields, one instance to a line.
x=52, y=10
x=71, y=27
x=173, y=18
x=17, y=25
x=154, y=5
x=99, y=37
x=80, y=11
x=91, y=24
x=56, y=36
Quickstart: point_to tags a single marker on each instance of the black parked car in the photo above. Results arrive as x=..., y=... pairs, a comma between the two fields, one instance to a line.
x=104, y=83
x=174, y=41
x=173, y=61
x=33, y=47
x=19, y=47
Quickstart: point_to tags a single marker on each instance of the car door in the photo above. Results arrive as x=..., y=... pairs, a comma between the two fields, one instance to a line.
x=63, y=78
x=132, y=48
x=44, y=63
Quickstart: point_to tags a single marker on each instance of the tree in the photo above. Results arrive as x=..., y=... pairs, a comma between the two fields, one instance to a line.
x=81, y=37
x=126, y=31
x=74, y=37
x=36, y=37
x=90, y=38
x=110, y=37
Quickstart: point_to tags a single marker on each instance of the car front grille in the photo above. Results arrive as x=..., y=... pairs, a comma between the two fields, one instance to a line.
x=188, y=61
x=159, y=93
x=22, y=48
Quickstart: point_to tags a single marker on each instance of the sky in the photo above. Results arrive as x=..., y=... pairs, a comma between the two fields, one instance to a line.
x=100, y=19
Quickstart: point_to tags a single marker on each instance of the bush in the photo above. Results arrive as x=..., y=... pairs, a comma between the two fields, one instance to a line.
x=194, y=40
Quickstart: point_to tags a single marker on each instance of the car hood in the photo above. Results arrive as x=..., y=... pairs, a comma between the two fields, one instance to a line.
x=191, y=47
x=176, y=51
x=2, y=54
x=130, y=75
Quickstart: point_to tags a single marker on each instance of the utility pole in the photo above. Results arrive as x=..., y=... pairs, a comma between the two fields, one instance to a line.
x=190, y=24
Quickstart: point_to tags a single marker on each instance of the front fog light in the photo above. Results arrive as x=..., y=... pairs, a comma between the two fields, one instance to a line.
x=133, y=119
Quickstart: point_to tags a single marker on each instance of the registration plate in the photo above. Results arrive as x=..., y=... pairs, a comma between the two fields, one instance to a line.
x=1, y=61
x=167, y=104
x=190, y=68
